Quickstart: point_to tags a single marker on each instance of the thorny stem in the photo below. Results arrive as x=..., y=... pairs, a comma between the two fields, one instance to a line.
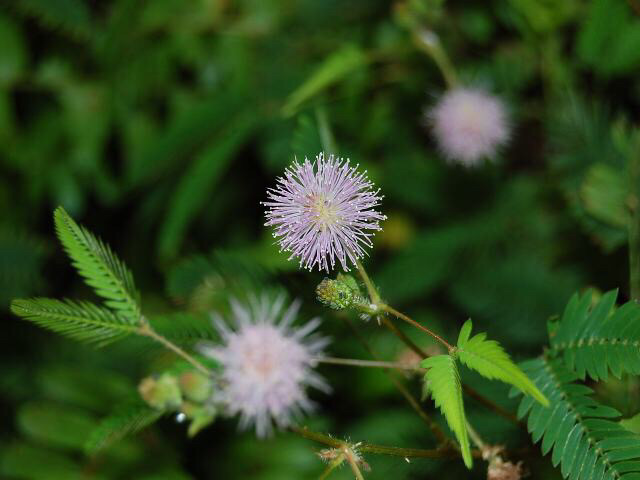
x=378, y=449
x=336, y=462
x=348, y=454
x=146, y=330
x=354, y=362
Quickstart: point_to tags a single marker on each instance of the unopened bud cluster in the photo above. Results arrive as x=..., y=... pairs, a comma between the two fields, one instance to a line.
x=187, y=393
x=342, y=293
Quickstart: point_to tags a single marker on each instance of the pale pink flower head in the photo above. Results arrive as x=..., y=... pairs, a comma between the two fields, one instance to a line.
x=469, y=125
x=266, y=363
x=323, y=211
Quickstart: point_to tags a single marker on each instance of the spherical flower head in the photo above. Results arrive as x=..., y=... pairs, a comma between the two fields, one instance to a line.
x=469, y=124
x=324, y=211
x=266, y=364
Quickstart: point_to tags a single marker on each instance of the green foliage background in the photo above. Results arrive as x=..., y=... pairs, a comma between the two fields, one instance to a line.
x=159, y=125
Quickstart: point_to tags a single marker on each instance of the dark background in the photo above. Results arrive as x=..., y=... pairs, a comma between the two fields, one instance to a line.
x=160, y=124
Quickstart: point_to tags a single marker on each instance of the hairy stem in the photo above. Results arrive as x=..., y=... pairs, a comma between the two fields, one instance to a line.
x=146, y=330
x=371, y=289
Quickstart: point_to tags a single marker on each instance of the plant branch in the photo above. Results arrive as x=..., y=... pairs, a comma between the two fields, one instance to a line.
x=373, y=293
x=146, y=330
x=354, y=362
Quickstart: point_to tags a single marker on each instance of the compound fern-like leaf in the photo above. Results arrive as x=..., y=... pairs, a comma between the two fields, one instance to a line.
x=586, y=442
x=82, y=321
x=596, y=337
x=445, y=387
x=490, y=360
x=126, y=419
x=99, y=266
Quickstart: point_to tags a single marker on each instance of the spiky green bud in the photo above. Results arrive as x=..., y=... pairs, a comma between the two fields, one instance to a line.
x=195, y=386
x=336, y=294
x=162, y=392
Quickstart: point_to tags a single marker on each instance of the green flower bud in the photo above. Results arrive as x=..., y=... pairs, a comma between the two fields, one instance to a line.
x=195, y=386
x=336, y=294
x=201, y=416
x=162, y=392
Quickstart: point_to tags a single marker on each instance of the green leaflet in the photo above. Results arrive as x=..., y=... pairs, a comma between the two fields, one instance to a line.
x=597, y=337
x=126, y=419
x=586, y=441
x=79, y=320
x=99, y=266
x=490, y=360
x=445, y=387
x=60, y=426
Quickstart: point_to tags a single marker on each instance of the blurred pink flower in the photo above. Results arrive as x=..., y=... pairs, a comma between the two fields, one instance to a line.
x=323, y=211
x=266, y=364
x=469, y=124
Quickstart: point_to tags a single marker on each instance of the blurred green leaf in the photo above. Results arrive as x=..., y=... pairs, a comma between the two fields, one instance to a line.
x=604, y=193
x=609, y=40
x=126, y=419
x=335, y=67
x=28, y=462
x=199, y=181
x=68, y=16
x=55, y=425
x=13, y=52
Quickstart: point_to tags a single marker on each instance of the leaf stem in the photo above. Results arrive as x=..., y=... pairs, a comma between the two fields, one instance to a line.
x=428, y=42
x=146, y=330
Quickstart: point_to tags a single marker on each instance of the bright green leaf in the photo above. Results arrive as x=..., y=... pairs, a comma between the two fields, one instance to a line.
x=100, y=267
x=445, y=387
x=490, y=360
